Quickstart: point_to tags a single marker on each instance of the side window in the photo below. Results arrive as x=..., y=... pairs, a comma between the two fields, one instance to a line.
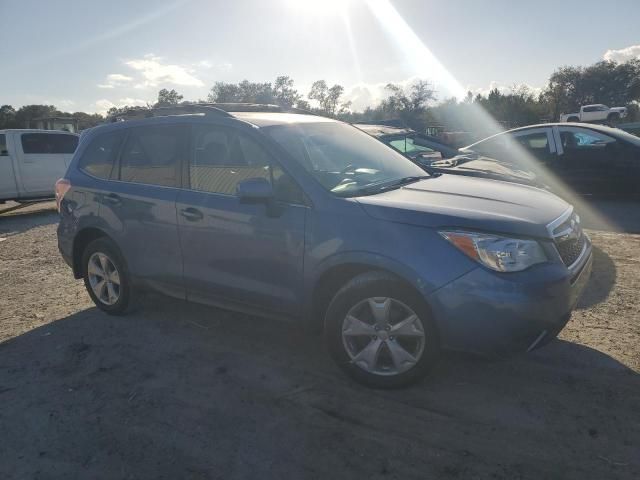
x=3, y=146
x=494, y=146
x=583, y=140
x=535, y=142
x=153, y=155
x=589, y=109
x=223, y=157
x=99, y=157
x=48, y=143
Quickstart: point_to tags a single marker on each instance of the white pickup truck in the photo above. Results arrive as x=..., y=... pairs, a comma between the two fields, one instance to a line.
x=595, y=113
x=31, y=161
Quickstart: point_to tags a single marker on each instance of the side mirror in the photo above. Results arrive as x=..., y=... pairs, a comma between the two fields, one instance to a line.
x=254, y=190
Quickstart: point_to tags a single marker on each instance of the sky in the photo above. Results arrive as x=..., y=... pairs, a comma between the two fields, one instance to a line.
x=89, y=55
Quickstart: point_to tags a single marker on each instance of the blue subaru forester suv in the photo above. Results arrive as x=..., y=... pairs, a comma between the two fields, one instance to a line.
x=297, y=216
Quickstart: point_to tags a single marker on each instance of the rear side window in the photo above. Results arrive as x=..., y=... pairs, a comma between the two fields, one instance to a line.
x=100, y=156
x=153, y=155
x=3, y=146
x=48, y=143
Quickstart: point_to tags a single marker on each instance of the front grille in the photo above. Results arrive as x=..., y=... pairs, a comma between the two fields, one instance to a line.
x=571, y=249
x=569, y=238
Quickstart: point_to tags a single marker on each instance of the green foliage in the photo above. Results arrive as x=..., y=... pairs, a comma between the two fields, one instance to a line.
x=611, y=83
x=329, y=98
x=167, y=98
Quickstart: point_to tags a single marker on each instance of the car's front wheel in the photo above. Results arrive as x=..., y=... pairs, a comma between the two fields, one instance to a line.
x=106, y=277
x=380, y=331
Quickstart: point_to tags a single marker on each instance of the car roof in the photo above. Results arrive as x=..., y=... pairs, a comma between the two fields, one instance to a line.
x=36, y=130
x=615, y=132
x=591, y=126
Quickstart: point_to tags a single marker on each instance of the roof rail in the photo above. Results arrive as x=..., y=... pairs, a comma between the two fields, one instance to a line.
x=221, y=109
x=257, y=107
x=185, y=109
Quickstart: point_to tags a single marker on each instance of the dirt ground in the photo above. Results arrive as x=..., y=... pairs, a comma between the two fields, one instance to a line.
x=184, y=391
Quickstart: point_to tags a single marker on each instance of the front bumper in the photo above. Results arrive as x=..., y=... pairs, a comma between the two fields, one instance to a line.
x=492, y=313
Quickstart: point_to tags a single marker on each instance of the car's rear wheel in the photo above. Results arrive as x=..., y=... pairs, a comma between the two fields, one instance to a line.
x=106, y=277
x=380, y=331
x=613, y=119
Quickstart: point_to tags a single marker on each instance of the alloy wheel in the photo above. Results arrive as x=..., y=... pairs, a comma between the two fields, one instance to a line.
x=383, y=336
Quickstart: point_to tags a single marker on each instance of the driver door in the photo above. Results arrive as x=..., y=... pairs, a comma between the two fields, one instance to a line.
x=248, y=254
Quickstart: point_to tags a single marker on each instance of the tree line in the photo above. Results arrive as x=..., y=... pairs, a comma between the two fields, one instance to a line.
x=415, y=105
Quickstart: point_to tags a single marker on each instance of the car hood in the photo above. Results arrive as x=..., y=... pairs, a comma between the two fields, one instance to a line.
x=455, y=201
x=488, y=168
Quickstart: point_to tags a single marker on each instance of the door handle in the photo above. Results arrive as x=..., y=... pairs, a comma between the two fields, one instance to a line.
x=191, y=214
x=113, y=199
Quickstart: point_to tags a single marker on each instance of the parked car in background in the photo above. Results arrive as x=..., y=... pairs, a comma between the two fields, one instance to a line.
x=590, y=159
x=597, y=113
x=303, y=217
x=31, y=161
x=418, y=147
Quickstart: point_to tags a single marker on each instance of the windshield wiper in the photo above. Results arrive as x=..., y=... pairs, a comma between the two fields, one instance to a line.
x=384, y=187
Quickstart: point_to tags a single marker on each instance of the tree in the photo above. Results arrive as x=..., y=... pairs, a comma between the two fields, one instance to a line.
x=27, y=113
x=611, y=83
x=327, y=98
x=244, y=92
x=7, y=117
x=410, y=104
x=167, y=98
x=285, y=95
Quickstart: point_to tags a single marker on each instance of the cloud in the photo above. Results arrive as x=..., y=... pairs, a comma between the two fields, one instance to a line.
x=219, y=66
x=155, y=72
x=103, y=105
x=115, y=80
x=623, y=55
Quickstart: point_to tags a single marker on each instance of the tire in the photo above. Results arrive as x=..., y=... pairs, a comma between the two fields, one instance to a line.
x=388, y=367
x=613, y=119
x=120, y=284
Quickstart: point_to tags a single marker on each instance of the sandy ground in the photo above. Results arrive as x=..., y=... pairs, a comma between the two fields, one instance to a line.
x=184, y=391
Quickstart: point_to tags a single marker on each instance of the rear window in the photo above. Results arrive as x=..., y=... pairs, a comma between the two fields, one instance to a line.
x=99, y=157
x=153, y=155
x=48, y=143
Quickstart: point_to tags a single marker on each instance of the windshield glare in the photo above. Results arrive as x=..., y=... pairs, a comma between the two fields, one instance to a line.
x=346, y=161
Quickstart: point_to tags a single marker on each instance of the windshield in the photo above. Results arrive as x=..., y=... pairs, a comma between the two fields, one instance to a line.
x=346, y=161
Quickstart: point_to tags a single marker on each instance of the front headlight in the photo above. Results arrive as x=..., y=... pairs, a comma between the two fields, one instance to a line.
x=502, y=254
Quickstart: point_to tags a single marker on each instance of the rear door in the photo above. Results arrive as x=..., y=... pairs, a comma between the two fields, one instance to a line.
x=43, y=158
x=8, y=187
x=235, y=252
x=588, y=160
x=139, y=205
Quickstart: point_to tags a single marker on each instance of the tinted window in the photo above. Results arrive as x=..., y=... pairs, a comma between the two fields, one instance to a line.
x=38, y=143
x=224, y=157
x=152, y=155
x=535, y=141
x=3, y=146
x=583, y=139
x=99, y=157
x=406, y=145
